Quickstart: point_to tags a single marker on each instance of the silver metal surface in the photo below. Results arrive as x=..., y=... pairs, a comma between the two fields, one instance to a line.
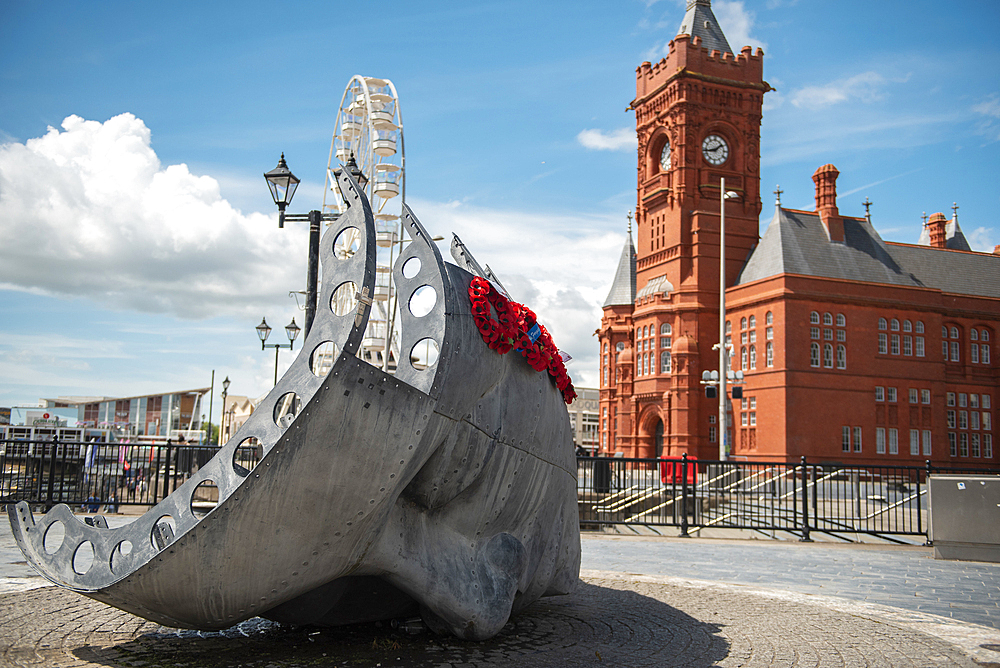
x=447, y=490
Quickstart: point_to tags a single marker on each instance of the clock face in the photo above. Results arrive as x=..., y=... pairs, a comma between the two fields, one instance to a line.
x=665, y=158
x=715, y=149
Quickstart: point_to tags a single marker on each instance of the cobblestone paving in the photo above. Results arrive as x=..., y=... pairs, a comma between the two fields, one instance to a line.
x=610, y=621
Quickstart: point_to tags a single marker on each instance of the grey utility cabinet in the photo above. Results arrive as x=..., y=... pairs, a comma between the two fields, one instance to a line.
x=965, y=517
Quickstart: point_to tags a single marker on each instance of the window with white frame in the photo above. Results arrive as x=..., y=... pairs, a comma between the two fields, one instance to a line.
x=743, y=359
x=986, y=401
x=963, y=445
x=894, y=325
x=841, y=357
x=963, y=399
x=950, y=418
x=769, y=353
x=893, y=441
x=891, y=394
x=845, y=439
x=907, y=326
x=974, y=442
x=814, y=354
x=752, y=322
x=841, y=320
x=879, y=393
x=769, y=318
x=857, y=439
x=880, y=440
x=665, y=363
x=913, y=396
x=883, y=343
x=895, y=344
x=915, y=442
x=814, y=318
x=988, y=446
x=907, y=345
x=919, y=346
x=828, y=356
x=827, y=319
x=953, y=444
x=769, y=333
x=882, y=324
x=925, y=396
x=963, y=419
x=919, y=327
x=753, y=358
x=927, y=442
x=950, y=396
x=814, y=332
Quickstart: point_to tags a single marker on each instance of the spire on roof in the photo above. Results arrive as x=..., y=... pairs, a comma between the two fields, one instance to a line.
x=699, y=20
x=622, y=291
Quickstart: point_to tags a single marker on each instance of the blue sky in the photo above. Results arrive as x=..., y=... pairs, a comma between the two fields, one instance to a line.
x=139, y=244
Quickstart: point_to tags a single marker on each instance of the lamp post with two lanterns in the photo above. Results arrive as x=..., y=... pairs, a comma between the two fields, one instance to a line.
x=222, y=422
x=264, y=330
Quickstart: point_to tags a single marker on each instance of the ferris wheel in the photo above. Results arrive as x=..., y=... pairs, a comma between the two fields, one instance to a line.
x=369, y=129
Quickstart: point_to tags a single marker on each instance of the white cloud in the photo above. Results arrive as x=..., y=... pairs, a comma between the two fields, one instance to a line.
x=990, y=108
x=981, y=239
x=90, y=211
x=865, y=87
x=616, y=140
x=737, y=22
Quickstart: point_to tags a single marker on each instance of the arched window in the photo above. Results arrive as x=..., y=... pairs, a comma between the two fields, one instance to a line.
x=665, y=361
x=827, y=319
x=882, y=324
x=814, y=318
x=814, y=354
x=665, y=329
x=954, y=332
x=645, y=332
x=769, y=318
x=753, y=358
x=605, y=346
x=841, y=320
x=920, y=327
x=907, y=326
x=894, y=325
x=743, y=323
x=841, y=357
x=729, y=327
x=974, y=335
x=752, y=322
x=986, y=335
x=743, y=359
x=828, y=356
x=769, y=354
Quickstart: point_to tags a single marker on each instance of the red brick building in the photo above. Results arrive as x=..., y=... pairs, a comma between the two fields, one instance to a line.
x=854, y=349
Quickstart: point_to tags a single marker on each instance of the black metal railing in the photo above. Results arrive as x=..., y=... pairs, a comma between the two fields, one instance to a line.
x=102, y=476
x=769, y=498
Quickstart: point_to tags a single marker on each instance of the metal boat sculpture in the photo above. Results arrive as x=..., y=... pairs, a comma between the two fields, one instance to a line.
x=448, y=490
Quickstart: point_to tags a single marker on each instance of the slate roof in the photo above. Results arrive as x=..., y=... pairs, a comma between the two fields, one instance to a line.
x=623, y=287
x=699, y=20
x=954, y=239
x=796, y=242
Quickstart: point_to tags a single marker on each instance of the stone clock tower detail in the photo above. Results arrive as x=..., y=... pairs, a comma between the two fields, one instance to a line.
x=698, y=114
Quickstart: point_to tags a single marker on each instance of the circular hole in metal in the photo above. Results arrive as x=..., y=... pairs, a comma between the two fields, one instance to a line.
x=286, y=408
x=422, y=300
x=323, y=357
x=204, y=498
x=344, y=299
x=246, y=455
x=424, y=354
x=54, y=536
x=411, y=267
x=163, y=532
x=347, y=243
x=119, y=556
x=83, y=557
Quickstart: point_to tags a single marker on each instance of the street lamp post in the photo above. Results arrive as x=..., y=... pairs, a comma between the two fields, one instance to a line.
x=222, y=420
x=282, y=184
x=723, y=353
x=263, y=331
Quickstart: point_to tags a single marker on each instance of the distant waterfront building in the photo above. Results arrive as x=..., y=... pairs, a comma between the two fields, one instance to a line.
x=154, y=416
x=854, y=349
x=584, y=418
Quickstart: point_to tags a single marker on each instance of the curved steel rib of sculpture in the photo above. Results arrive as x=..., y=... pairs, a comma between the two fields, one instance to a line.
x=448, y=489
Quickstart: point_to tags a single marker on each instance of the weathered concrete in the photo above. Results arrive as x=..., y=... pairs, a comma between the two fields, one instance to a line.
x=447, y=491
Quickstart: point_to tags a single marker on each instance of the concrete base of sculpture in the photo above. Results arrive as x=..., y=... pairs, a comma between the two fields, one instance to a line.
x=448, y=490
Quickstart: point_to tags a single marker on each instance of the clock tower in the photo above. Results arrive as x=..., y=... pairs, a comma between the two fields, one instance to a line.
x=698, y=114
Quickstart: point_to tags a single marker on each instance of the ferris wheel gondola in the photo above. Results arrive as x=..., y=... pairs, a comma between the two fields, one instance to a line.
x=369, y=129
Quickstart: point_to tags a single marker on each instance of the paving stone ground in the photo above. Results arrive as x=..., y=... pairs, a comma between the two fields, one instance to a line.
x=642, y=602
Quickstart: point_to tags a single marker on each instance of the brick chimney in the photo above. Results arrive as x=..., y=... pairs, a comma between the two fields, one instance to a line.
x=935, y=228
x=825, y=179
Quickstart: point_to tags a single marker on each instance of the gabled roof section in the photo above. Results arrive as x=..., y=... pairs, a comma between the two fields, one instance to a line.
x=623, y=288
x=796, y=242
x=954, y=239
x=700, y=21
